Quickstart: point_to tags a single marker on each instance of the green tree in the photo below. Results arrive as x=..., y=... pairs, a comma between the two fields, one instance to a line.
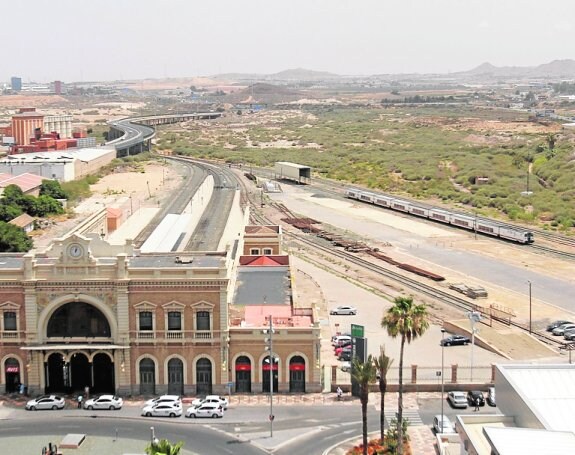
x=53, y=189
x=164, y=447
x=13, y=195
x=13, y=239
x=45, y=205
x=364, y=374
x=382, y=365
x=9, y=212
x=551, y=141
x=408, y=321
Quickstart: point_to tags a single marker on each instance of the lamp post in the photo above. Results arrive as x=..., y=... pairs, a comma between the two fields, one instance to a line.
x=474, y=316
x=153, y=439
x=442, y=389
x=529, y=305
x=269, y=348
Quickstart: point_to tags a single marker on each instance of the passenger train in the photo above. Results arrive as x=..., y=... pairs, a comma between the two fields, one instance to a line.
x=481, y=225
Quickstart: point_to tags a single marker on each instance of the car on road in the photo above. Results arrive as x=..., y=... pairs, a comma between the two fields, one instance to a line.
x=341, y=340
x=339, y=349
x=164, y=399
x=455, y=340
x=473, y=396
x=442, y=424
x=211, y=399
x=212, y=410
x=110, y=402
x=562, y=329
x=491, y=396
x=457, y=399
x=335, y=337
x=46, y=402
x=556, y=324
x=163, y=410
x=344, y=310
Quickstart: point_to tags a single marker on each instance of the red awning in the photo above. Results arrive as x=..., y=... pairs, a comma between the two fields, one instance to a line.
x=243, y=367
x=266, y=367
x=12, y=369
x=297, y=366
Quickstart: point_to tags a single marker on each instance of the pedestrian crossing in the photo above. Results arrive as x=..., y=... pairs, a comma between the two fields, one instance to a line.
x=410, y=414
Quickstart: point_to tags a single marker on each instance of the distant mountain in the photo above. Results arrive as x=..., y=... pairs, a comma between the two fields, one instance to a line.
x=262, y=92
x=554, y=69
x=297, y=74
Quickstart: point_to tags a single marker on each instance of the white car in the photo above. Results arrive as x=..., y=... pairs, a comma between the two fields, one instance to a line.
x=346, y=367
x=110, y=402
x=163, y=410
x=164, y=399
x=211, y=399
x=349, y=310
x=442, y=425
x=212, y=410
x=46, y=402
x=457, y=399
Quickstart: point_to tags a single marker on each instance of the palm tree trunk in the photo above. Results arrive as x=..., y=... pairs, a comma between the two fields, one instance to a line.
x=364, y=399
x=382, y=387
x=400, y=401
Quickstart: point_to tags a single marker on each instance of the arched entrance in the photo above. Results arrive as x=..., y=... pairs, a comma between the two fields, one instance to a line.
x=147, y=377
x=175, y=377
x=12, y=374
x=80, y=372
x=103, y=369
x=203, y=377
x=243, y=374
x=297, y=374
x=266, y=367
x=57, y=373
x=78, y=319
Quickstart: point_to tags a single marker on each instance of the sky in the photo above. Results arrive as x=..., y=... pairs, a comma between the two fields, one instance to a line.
x=98, y=40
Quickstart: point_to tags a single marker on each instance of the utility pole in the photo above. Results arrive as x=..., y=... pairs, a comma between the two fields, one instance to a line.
x=529, y=306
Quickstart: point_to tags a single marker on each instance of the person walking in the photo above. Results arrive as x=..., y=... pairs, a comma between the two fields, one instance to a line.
x=477, y=402
x=339, y=393
x=80, y=398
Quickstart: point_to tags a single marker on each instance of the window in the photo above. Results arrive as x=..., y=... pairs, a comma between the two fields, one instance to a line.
x=254, y=251
x=267, y=251
x=10, y=320
x=174, y=320
x=146, y=320
x=203, y=320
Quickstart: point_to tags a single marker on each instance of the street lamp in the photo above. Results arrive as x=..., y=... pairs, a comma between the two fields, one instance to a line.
x=442, y=389
x=269, y=348
x=153, y=439
x=474, y=316
x=529, y=305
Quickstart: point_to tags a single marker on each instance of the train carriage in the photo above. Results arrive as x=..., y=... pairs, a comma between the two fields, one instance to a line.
x=487, y=227
x=382, y=201
x=439, y=215
x=464, y=221
x=516, y=235
x=398, y=204
x=419, y=211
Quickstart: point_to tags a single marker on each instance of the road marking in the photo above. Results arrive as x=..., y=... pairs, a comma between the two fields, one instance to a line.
x=411, y=414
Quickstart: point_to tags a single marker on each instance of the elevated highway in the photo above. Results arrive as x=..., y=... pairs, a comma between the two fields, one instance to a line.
x=134, y=135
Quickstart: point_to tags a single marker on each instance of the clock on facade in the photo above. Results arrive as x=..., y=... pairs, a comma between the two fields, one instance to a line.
x=75, y=250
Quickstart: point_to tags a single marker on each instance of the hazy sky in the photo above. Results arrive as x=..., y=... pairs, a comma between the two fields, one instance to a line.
x=81, y=40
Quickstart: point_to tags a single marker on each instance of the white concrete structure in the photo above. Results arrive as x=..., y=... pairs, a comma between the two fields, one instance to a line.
x=62, y=124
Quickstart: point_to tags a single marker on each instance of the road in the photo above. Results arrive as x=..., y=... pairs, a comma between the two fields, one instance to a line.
x=243, y=430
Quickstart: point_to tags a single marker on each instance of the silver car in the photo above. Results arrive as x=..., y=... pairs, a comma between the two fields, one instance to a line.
x=110, y=402
x=457, y=399
x=349, y=310
x=46, y=402
x=163, y=410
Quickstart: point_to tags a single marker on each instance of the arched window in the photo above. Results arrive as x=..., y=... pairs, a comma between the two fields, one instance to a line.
x=78, y=319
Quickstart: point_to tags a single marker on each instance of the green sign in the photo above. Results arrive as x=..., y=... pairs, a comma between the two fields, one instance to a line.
x=357, y=330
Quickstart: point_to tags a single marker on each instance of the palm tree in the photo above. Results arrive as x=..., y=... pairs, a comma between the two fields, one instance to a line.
x=382, y=365
x=164, y=447
x=408, y=321
x=364, y=374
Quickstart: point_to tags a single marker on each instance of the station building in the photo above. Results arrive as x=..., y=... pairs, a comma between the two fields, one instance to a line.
x=85, y=312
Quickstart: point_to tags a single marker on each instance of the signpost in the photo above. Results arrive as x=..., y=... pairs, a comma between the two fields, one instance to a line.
x=359, y=351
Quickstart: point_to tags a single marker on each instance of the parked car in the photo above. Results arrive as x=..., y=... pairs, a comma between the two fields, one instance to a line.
x=556, y=324
x=164, y=399
x=345, y=356
x=110, y=402
x=213, y=410
x=562, y=328
x=349, y=310
x=340, y=340
x=491, y=396
x=338, y=350
x=442, y=424
x=335, y=337
x=172, y=409
x=211, y=399
x=455, y=340
x=569, y=335
x=46, y=402
x=345, y=367
x=457, y=399
x=472, y=397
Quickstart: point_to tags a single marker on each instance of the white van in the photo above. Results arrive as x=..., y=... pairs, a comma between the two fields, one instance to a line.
x=338, y=340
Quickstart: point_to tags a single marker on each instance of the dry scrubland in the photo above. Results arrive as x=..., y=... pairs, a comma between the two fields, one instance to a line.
x=432, y=153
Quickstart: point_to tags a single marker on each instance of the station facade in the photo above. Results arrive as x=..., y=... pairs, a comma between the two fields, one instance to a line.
x=85, y=313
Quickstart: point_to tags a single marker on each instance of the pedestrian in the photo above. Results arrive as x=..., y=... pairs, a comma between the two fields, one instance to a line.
x=477, y=402
x=80, y=398
x=339, y=393
x=87, y=392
